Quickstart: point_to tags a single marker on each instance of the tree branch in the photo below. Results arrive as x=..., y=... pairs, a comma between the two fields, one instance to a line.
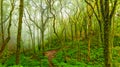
x=93, y=10
x=33, y=20
x=113, y=9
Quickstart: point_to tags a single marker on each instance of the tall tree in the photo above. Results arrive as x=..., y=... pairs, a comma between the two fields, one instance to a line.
x=107, y=15
x=107, y=31
x=44, y=18
x=89, y=24
x=5, y=41
x=21, y=8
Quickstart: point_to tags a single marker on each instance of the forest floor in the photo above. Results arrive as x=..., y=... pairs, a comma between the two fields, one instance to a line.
x=73, y=54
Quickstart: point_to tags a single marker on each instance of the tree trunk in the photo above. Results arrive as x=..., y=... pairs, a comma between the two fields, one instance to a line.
x=5, y=42
x=33, y=39
x=107, y=45
x=89, y=37
x=75, y=30
x=84, y=36
x=65, y=31
x=2, y=28
x=38, y=39
x=107, y=31
x=72, y=32
x=43, y=45
x=89, y=24
x=19, y=31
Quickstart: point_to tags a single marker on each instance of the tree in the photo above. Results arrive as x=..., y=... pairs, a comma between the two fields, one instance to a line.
x=21, y=9
x=107, y=31
x=2, y=31
x=44, y=18
x=30, y=33
x=5, y=42
x=89, y=24
x=106, y=15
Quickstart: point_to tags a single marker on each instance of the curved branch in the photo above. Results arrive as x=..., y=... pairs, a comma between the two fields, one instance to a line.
x=93, y=10
x=8, y=30
x=113, y=9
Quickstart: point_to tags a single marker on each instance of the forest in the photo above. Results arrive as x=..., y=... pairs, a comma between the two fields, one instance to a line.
x=59, y=33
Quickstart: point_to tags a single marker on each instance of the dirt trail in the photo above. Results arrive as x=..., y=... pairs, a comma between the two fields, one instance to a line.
x=50, y=54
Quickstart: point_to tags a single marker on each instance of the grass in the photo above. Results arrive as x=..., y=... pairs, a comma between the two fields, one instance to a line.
x=70, y=56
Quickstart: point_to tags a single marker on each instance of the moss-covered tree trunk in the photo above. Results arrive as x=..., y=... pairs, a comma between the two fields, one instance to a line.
x=89, y=37
x=5, y=41
x=89, y=24
x=107, y=18
x=19, y=31
x=107, y=31
x=2, y=30
x=107, y=44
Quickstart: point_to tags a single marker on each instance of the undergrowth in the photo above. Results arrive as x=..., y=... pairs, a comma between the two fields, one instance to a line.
x=70, y=56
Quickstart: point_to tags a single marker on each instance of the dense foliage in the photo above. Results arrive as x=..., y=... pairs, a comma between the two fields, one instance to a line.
x=59, y=33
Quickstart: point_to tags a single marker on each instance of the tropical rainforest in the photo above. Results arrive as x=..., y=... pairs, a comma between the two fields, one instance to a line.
x=59, y=33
